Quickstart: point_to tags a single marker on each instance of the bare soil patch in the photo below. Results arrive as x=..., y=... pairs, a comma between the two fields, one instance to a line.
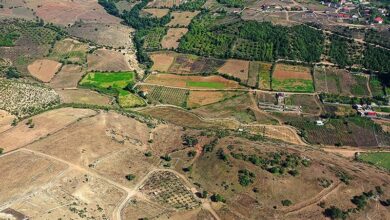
x=44, y=70
x=182, y=18
x=84, y=96
x=5, y=120
x=107, y=60
x=156, y=12
x=200, y=98
x=284, y=71
x=162, y=61
x=164, y=3
x=44, y=124
x=70, y=50
x=236, y=68
x=172, y=39
x=25, y=173
x=68, y=12
x=68, y=77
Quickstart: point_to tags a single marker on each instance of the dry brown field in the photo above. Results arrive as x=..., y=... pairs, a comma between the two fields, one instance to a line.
x=68, y=77
x=84, y=96
x=15, y=9
x=44, y=70
x=200, y=98
x=114, y=35
x=68, y=12
x=279, y=132
x=70, y=50
x=284, y=71
x=236, y=68
x=164, y=3
x=155, y=12
x=107, y=60
x=44, y=124
x=182, y=18
x=172, y=39
x=162, y=61
x=192, y=82
x=5, y=120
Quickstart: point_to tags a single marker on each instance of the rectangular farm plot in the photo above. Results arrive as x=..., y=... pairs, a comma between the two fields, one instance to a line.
x=104, y=80
x=380, y=159
x=162, y=61
x=291, y=78
x=182, y=18
x=341, y=82
x=193, y=82
x=259, y=75
x=164, y=95
x=172, y=38
x=236, y=68
x=201, y=98
x=164, y=3
x=129, y=100
x=192, y=64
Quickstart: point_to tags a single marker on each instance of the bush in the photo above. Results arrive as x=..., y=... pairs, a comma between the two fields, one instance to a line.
x=148, y=154
x=166, y=157
x=1, y=151
x=217, y=198
x=286, y=202
x=335, y=213
x=245, y=177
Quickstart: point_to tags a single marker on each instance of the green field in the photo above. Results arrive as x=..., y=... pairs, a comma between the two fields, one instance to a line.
x=293, y=85
x=129, y=100
x=211, y=85
x=105, y=80
x=8, y=40
x=380, y=159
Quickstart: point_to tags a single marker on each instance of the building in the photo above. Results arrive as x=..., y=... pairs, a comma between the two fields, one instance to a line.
x=378, y=20
x=319, y=123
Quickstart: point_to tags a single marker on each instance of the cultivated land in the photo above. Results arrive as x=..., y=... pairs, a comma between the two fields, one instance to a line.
x=68, y=77
x=236, y=68
x=292, y=78
x=107, y=60
x=177, y=136
x=44, y=70
x=193, y=82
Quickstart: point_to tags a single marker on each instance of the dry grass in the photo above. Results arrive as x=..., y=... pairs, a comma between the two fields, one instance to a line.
x=44, y=124
x=182, y=18
x=164, y=3
x=5, y=120
x=84, y=96
x=236, y=68
x=107, y=60
x=200, y=98
x=44, y=70
x=156, y=12
x=68, y=77
x=162, y=61
x=172, y=39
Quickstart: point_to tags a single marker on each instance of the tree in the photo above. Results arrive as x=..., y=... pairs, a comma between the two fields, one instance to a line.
x=166, y=157
x=1, y=151
x=130, y=177
x=148, y=154
x=335, y=213
x=191, y=153
x=12, y=73
x=217, y=198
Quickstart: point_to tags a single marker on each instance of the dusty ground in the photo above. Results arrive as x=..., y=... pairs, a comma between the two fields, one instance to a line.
x=164, y=3
x=236, y=68
x=5, y=120
x=84, y=96
x=44, y=124
x=68, y=77
x=172, y=39
x=107, y=60
x=44, y=70
x=200, y=98
x=70, y=50
x=162, y=61
x=182, y=18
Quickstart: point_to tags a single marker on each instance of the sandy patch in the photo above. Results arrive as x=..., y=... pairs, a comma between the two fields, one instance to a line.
x=236, y=68
x=172, y=39
x=162, y=61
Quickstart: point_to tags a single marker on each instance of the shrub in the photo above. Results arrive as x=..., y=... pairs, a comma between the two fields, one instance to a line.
x=1, y=151
x=286, y=202
x=335, y=213
x=191, y=153
x=217, y=198
x=166, y=157
x=245, y=177
x=148, y=154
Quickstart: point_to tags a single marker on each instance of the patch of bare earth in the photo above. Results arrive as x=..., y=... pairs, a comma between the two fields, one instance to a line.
x=84, y=96
x=236, y=68
x=107, y=60
x=155, y=12
x=44, y=70
x=5, y=120
x=44, y=124
x=162, y=61
x=172, y=39
x=182, y=18
x=68, y=77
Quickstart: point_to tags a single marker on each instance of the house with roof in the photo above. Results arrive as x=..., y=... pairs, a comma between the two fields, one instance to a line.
x=378, y=20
